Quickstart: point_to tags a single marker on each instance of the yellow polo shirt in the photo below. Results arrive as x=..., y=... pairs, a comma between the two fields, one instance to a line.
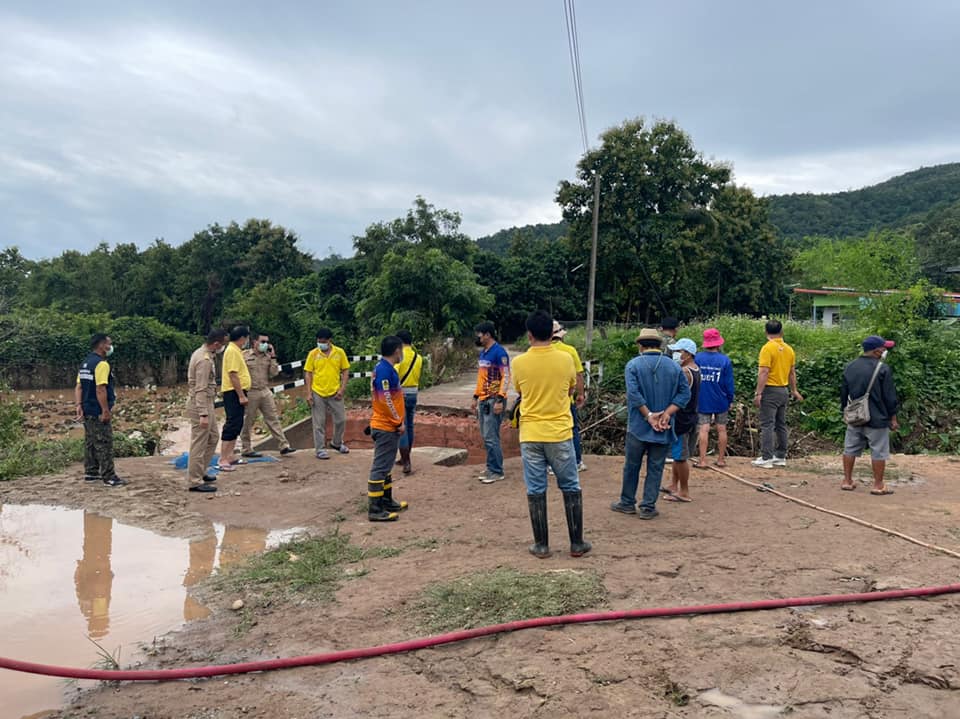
x=326, y=369
x=413, y=379
x=780, y=358
x=544, y=376
x=233, y=362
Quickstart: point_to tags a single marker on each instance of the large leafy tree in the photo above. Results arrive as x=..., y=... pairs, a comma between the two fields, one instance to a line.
x=424, y=290
x=652, y=182
x=423, y=226
x=938, y=246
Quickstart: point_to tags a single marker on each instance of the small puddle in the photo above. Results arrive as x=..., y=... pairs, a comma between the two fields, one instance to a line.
x=66, y=575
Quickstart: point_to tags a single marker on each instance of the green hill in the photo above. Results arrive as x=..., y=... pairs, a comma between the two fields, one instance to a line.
x=499, y=242
x=902, y=200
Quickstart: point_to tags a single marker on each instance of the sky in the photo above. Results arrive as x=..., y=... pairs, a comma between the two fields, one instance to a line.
x=130, y=121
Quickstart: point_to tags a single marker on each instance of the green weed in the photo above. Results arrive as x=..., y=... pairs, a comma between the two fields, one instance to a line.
x=311, y=566
x=503, y=595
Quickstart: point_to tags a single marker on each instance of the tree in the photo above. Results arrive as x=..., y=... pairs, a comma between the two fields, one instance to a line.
x=655, y=195
x=938, y=246
x=885, y=260
x=14, y=270
x=424, y=226
x=423, y=289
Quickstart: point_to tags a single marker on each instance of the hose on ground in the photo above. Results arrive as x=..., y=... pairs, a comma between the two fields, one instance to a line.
x=459, y=636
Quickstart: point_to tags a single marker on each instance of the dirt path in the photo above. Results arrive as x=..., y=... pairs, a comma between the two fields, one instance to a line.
x=732, y=543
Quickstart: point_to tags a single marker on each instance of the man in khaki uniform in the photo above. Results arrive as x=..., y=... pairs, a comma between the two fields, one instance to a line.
x=262, y=363
x=202, y=390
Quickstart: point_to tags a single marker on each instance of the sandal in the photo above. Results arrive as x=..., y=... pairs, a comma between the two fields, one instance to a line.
x=676, y=498
x=226, y=468
x=720, y=463
x=881, y=492
x=848, y=487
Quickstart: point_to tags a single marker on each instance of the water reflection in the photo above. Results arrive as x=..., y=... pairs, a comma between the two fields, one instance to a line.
x=130, y=585
x=94, y=578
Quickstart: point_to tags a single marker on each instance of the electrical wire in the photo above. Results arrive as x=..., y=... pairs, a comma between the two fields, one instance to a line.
x=573, y=46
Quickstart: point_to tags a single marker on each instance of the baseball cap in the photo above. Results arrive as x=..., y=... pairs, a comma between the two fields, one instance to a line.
x=558, y=331
x=669, y=323
x=875, y=342
x=687, y=345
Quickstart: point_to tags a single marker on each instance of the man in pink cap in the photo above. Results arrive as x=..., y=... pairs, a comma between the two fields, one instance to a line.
x=883, y=412
x=716, y=394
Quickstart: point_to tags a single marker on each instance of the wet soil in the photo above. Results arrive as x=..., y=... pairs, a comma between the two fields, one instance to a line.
x=732, y=543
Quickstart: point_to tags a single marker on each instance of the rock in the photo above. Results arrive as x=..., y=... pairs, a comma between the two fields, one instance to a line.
x=237, y=605
x=883, y=584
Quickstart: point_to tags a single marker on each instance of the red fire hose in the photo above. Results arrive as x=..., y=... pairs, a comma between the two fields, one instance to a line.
x=423, y=643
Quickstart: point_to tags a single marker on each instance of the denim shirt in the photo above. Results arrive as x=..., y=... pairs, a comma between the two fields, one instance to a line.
x=656, y=381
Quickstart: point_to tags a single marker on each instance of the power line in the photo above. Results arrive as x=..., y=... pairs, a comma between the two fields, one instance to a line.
x=573, y=46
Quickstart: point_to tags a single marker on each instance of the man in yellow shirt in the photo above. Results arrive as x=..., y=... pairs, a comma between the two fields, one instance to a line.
x=777, y=371
x=580, y=396
x=326, y=373
x=409, y=371
x=234, y=385
x=544, y=376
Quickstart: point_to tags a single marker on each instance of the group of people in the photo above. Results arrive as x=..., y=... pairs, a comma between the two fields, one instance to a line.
x=672, y=399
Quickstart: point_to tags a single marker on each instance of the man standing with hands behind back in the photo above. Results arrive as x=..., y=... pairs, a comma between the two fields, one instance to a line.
x=326, y=373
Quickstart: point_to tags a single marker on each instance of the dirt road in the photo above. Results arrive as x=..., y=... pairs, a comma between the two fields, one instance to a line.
x=732, y=543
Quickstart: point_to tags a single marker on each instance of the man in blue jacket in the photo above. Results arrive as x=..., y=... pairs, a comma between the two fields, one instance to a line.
x=656, y=390
x=716, y=394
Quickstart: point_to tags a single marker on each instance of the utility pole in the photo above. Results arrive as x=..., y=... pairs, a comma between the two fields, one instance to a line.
x=591, y=292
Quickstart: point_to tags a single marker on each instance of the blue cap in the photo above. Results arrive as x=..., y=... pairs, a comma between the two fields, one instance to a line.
x=875, y=342
x=687, y=345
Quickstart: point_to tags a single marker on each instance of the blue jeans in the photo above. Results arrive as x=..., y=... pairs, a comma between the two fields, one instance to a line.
x=577, y=444
x=656, y=456
x=490, y=431
x=409, y=408
x=561, y=458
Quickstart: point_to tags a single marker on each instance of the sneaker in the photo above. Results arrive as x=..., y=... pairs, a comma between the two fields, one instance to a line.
x=251, y=454
x=90, y=478
x=648, y=513
x=491, y=478
x=623, y=508
x=342, y=449
x=581, y=467
x=287, y=450
x=322, y=454
x=115, y=481
x=779, y=461
x=763, y=463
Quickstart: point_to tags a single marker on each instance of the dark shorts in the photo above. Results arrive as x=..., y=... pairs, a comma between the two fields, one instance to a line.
x=235, y=411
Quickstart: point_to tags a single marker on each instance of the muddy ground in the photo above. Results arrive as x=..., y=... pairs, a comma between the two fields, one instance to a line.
x=889, y=659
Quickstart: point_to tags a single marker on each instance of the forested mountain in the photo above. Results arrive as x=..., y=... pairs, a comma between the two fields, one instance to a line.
x=499, y=242
x=903, y=200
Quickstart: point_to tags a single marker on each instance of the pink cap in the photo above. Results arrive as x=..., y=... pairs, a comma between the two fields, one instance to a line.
x=712, y=338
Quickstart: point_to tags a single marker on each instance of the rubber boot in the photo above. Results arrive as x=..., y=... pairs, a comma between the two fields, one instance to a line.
x=387, y=502
x=376, y=512
x=537, y=504
x=573, y=506
x=405, y=460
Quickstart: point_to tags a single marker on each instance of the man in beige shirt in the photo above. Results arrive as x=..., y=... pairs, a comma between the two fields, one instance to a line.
x=262, y=363
x=202, y=390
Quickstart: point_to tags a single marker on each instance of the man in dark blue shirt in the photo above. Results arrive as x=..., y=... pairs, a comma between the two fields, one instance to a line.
x=883, y=412
x=95, y=397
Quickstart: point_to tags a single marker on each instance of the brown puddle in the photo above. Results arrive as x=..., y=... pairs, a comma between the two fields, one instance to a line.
x=66, y=575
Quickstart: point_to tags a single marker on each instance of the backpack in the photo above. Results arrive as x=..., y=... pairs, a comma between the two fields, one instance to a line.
x=857, y=411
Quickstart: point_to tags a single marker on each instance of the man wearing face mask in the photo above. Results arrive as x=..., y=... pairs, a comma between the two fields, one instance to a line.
x=201, y=392
x=883, y=403
x=326, y=372
x=386, y=428
x=262, y=363
x=95, y=396
x=490, y=397
x=234, y=384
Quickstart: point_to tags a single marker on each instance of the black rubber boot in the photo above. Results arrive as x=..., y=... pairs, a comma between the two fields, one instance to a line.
x=388, y=503
x=573, y=506
x=405, y=460
x=537, y=504
x=376, y=511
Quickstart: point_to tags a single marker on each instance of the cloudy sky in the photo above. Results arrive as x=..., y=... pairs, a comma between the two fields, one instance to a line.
x=126, y=121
